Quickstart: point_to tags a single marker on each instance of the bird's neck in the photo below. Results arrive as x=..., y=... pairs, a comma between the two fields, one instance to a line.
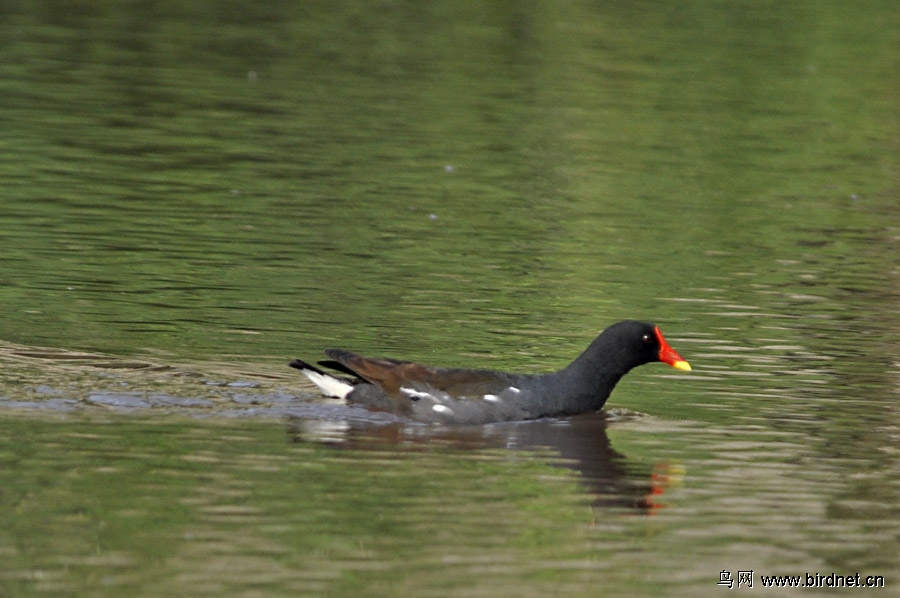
x=592, y=376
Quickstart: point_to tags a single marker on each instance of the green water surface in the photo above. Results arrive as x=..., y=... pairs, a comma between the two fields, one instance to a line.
x=195, y=193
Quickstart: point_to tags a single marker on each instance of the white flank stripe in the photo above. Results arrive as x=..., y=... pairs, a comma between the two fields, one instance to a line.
x=418, y=394
x=514, y=390
x=491, y=398
x=442, y=409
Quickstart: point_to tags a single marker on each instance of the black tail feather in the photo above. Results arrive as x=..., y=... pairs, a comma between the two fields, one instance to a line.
x=334, y=365
x=337, y=366
x=302, y=365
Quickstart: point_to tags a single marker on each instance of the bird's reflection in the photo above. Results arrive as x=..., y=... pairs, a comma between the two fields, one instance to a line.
x=580, y=443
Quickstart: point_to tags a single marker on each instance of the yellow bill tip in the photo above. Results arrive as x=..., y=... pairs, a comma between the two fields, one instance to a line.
x=682, y=365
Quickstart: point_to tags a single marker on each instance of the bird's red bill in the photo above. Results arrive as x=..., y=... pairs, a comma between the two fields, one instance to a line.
x=669, y=355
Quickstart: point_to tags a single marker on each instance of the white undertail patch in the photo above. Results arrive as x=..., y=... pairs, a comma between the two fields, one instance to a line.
x=329, y=385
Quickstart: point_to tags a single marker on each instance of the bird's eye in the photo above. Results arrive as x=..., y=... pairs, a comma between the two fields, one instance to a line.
x=647, y=339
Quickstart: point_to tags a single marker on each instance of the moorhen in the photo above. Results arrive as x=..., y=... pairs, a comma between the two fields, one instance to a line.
x=460, y=396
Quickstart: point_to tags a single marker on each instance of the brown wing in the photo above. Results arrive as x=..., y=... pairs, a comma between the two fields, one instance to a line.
x=391, y=375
